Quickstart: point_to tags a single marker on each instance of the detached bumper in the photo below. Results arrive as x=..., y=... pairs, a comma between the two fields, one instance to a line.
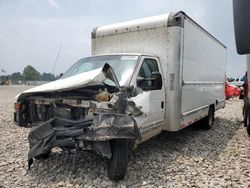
x=62, y=132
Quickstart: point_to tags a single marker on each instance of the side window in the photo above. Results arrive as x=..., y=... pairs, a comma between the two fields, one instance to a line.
x=145, y=72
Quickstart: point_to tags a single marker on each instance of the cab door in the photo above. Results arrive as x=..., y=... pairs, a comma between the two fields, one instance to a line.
x=152, y=99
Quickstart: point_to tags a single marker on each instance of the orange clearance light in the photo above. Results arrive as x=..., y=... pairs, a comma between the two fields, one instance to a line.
x=18, y=106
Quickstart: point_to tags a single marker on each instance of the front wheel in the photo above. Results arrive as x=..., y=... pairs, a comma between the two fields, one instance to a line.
x=117, y=167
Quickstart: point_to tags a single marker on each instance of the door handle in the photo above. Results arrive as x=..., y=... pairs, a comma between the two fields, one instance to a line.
x=162, y=104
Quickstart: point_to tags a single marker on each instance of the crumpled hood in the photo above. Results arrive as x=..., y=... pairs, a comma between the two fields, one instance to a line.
x=89, y=78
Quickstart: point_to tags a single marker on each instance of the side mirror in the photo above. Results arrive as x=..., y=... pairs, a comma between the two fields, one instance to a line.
x=153, y=83
x=156, y=80
x=139, y=81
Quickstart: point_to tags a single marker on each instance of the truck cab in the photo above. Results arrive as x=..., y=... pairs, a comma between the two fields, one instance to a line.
x=136, y=71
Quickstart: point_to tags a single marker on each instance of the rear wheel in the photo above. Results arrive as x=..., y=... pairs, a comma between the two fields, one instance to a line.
x=245, y=114
x=248, y=123
x=117, y=166
x=209, y=120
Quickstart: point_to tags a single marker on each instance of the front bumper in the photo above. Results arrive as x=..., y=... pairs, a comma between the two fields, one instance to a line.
x=59, y=132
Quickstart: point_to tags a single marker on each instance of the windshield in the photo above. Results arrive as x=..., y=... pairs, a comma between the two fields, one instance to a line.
x=123, y=66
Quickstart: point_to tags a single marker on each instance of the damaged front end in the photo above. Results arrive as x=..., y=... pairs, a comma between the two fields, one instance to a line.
x=86, y=117
x=96, y=131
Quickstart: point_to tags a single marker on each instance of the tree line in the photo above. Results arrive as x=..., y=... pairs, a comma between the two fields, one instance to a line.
x=31, y=74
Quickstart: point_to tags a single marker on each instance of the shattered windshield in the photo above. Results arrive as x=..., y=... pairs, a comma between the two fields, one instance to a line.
x=123, y=66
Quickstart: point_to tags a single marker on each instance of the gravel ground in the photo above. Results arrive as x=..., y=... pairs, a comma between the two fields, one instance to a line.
x=190, y=158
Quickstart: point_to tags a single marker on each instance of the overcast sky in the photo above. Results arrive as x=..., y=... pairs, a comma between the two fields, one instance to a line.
x=32, y=31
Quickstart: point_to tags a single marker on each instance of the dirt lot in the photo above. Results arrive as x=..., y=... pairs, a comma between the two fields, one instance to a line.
x=190, y=158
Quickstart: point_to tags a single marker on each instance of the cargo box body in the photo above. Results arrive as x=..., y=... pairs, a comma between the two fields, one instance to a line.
x=193, y=62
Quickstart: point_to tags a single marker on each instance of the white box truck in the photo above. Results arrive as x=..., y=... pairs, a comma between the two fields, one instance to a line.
x=145, y=76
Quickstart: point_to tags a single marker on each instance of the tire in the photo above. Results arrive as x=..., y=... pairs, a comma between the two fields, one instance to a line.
x=117, y=167
x=248, y=123
x=248, y=130
x=209, y=120
x=245, y=114
x=241, y=96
